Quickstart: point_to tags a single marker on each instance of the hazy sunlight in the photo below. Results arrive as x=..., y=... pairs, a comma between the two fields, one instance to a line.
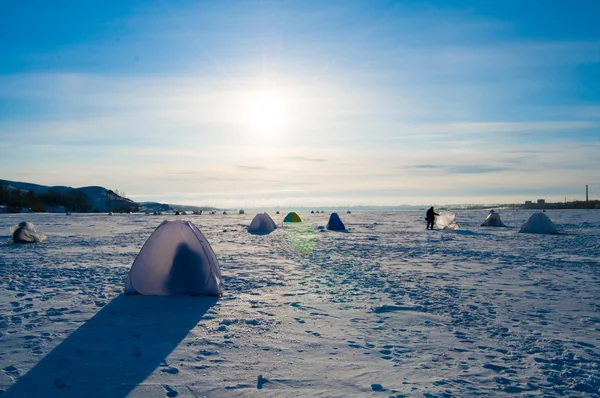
x=266, y=113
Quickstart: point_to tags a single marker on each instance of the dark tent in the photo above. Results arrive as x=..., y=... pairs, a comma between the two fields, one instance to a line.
x=335, y=224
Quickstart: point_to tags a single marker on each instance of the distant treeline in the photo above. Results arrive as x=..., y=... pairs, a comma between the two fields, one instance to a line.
x=70, y=199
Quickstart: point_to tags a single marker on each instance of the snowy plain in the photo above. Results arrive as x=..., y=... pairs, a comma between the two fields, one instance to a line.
x=387, y=309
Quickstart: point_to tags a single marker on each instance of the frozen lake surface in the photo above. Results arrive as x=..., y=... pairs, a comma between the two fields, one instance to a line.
x=387, y=309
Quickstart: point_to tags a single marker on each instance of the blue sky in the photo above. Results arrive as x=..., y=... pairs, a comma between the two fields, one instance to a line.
x=261, y=103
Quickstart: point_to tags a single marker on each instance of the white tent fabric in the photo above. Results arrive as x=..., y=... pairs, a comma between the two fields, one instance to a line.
x=175, y=260
x=25, y=233
x=493, y=220
x=446, y=221
x=262, y=224
x=539, y=223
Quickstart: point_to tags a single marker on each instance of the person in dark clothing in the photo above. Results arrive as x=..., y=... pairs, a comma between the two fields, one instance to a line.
x=430, y=217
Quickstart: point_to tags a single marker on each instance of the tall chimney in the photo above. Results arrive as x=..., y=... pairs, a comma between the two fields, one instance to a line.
x=586, y=193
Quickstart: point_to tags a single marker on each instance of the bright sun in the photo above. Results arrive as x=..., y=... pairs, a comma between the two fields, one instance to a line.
x=266, y=113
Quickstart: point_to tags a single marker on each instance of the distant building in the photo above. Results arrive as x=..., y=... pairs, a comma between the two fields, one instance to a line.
x=528, y=202
x=541, y=202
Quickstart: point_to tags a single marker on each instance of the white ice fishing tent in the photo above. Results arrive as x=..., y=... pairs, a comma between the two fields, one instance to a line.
x=25, y=233
x=262, y=224
x=493, y=220
x=175, y=260
x=446, y=220
x=539, y=223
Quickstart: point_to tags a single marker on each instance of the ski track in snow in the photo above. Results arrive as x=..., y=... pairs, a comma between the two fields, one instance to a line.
x=387, y=309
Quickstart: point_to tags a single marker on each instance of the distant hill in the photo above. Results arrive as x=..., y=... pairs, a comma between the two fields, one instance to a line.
x=17, y=196
x=155, y=206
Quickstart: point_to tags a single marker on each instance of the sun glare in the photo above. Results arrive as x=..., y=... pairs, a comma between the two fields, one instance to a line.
x=266, y=113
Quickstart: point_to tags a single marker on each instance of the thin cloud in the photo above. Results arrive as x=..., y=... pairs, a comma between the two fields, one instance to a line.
x=458, y=169
x=474, y=169
x=425, y=166
x=251, y=168
x=307, y=159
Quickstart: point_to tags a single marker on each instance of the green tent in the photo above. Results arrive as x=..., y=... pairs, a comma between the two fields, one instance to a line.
x=292, y=217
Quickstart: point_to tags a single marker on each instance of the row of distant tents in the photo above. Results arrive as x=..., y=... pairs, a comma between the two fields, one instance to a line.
x=199, y=212
x=178, y=260
x=538, y=223
x=263, y=224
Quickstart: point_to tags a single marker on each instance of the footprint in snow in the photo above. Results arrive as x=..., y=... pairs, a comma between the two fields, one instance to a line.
x=353, y=344
x=170, y=392
x=171, y=370
x=237, y=386
x=11, y=371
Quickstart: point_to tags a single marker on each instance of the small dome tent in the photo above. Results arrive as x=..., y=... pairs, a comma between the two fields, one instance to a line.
x=539, y=223
x=175, y=260
x=335, y=224
x=25, y=233
x=292, y=217
x=262, y=224
x=493, y=220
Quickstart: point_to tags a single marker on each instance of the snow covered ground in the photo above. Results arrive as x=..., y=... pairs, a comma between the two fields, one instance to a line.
x=387, y=309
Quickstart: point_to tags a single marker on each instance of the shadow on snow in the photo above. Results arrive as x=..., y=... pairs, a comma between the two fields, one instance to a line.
x=116, y=350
